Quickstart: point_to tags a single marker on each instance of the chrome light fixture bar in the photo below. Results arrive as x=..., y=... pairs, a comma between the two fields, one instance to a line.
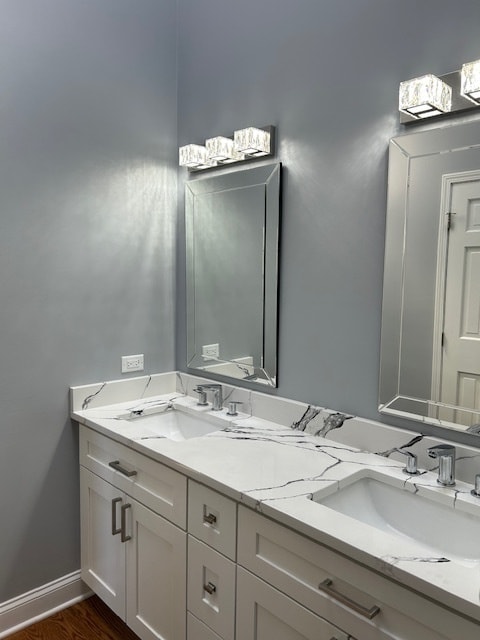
x=439, y=97
x=245, y=145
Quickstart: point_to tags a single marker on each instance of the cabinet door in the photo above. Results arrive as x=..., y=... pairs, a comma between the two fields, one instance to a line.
x=263, y=613
x=156, y=570
x=103, y=554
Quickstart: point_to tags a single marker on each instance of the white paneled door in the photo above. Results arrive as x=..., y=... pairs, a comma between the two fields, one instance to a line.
x=460, y=362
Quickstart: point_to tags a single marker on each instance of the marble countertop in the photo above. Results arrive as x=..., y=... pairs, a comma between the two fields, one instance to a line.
x=276, y=470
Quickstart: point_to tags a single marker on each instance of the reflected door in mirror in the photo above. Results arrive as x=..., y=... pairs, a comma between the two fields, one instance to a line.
x=459, y=375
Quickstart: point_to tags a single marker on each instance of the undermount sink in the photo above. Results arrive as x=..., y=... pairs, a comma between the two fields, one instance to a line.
x=434, y=527
x=171, y=424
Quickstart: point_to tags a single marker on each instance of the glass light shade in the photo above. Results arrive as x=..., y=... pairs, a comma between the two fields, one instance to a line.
x=470, y=81
x=221, y=149
x=194, y=156
x=425, y=96
x=252, y=141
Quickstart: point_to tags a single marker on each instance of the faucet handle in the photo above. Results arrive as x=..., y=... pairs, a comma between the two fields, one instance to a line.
x=476, y=490
x=202, y=399
x=411, y=467
x=232, y=408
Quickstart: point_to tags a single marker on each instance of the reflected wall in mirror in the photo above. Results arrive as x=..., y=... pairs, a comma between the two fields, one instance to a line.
x=232, y=235
x=430, y=349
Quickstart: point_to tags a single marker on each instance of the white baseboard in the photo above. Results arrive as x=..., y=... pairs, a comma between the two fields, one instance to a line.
x=42, y=602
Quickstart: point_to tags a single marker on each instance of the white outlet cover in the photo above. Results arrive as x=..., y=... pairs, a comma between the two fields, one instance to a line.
x=133, y=363
x=211, y=350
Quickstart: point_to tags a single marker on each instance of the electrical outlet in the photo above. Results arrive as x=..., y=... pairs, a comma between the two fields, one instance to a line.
x=132, y=363
x=211, y=351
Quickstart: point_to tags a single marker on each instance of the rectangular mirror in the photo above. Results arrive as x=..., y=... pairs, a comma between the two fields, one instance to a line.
x=430, y=348
x=232, y=237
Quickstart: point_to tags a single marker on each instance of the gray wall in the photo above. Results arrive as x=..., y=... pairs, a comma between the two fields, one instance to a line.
x=326, y=73
x=87, y=192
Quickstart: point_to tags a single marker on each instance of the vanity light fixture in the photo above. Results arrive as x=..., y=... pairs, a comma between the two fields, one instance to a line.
x=431, y=96
x=470, y=81
x=221, y=149
x=425, y=96
x=246, y=144
x=252, y=141
x=194, y=156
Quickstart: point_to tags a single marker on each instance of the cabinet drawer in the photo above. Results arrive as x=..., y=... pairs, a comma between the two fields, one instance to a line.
x=196, y=630
x=265, y=614
x=297, y=566
x=211, y=588
x=156, y=486
x=212, y=518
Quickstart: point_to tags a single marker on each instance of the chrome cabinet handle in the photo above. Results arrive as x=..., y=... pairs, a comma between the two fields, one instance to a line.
x=209, y=588
x=115, y=464
x=326, y=587
x=209, y=518
x=123, y=510
x=115, y=530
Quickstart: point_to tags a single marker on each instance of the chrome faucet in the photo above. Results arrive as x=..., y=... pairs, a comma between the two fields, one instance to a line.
x=217, y=402
x=446, y=463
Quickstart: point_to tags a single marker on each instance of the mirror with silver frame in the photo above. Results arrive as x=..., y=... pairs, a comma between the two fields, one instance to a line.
x=232, y=239
x=430, y=346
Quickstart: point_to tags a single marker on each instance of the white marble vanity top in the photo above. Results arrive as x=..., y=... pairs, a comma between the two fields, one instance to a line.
x=276, y=468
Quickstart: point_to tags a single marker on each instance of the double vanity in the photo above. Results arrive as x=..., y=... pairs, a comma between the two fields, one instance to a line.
x=280, y=521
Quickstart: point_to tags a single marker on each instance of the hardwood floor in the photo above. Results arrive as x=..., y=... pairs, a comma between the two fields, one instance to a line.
x=87, y=620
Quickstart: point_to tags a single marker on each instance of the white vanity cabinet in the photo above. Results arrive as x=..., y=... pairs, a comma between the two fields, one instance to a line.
x=247, y=578
x=132, y=556
x=350, y=596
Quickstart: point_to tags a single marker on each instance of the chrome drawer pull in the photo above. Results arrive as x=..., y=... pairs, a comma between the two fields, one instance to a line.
x=115, y=530
x=326, y=587
x=210, y=518
x=118, y=467
x=209, y=588
x=123, y=510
